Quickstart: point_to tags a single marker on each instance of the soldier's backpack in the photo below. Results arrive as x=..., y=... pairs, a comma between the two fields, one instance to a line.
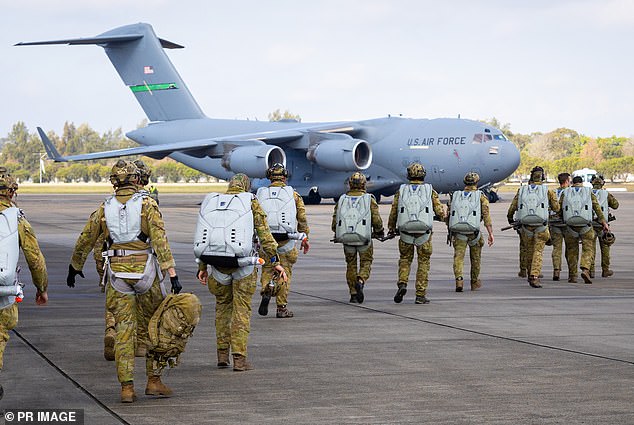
x=577, y=207
x=9, y=254
x=224, y=231
x=281, y=212
x=533, y=205
x=602, y=197
x=415, y=208
x=170, y=327
x=354, y=220
x=466, y=212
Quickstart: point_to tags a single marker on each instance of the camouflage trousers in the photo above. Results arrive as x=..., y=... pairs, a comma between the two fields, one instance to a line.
x=8, y=321
x=572, y=251
x=233, y=312
x=406, y=256
x=475, y=255
x=557, y=238
x=141, y=333
x=605, y=253
x=280, y=292
x=366, y=255
x=523, y=254
x=124, y=308
x=534, y=243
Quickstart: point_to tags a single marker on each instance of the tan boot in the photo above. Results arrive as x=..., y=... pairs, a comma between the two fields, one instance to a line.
x=476, y=284
x=533, y=281
x=140, y=350
x=522, y=273
x=223, y=358
x=459, y=283
x=283, y=312
x=585, y=275
x=572, y=279
x=240, y=363
x=108, y=345
x=127, y=393
x=156, y=387
x=555, y=275
x=607, y=273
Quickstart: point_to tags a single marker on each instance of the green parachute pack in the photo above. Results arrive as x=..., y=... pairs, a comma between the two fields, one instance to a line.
x=171, y=326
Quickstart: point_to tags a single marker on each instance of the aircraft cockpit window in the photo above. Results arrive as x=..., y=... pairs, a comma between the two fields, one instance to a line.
x=500, y=137
x=479, y=138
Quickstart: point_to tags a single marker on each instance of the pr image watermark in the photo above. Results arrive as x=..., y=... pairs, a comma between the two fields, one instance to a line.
x=44, y=416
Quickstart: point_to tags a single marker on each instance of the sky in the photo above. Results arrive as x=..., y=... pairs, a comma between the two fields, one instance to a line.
x=537, y=65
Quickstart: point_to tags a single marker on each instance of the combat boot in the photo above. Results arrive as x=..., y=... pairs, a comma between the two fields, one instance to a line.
x=533, y=281
x=240, y=363
x=522, y=273
x=400, y=292
x=283, y=312
x=140, y=350
x=359, y=287
x=555, y=275
x=223, y=358
x=156, y=387
x=459, y=283
x=127, y=392
x=108, y=345
x=353, y=299
x=476, y=284
x=421, y=299
x=585, y=275
x=591, y=273
x=572, y=279
x=607, y=273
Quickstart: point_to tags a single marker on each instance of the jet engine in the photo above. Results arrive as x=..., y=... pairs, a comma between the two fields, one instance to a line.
x=341, y=154
x=253, y=160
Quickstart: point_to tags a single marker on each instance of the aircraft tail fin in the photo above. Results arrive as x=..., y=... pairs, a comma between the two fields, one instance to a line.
x=49, y=147
x=137, y=55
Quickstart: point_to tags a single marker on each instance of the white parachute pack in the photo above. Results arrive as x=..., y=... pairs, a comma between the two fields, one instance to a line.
x=602, y=197
x=354, y=220
x=225, y=226
x=279, y=205
x=124, y=220
x=415, y=208
x=466, y=212
x=577, y=207
x=9, y=254
x=532, y=207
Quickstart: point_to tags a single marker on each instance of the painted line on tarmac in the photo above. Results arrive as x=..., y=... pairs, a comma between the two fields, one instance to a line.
x=458, y=328
x=65, y=375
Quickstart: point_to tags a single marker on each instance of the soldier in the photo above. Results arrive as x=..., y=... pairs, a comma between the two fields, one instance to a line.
x=411, y=216
x=356, y=221
x=17, y=234
x=286, y=217
x=532, y=202
x=466, y=209
x=577, y=204
x=144, y=179
x=137, y=259
x=606, y=201
x=224, y=235
x=556, y=227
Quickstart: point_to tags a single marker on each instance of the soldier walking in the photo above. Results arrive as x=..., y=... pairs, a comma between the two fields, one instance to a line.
x=557, y=227
x=606, y=201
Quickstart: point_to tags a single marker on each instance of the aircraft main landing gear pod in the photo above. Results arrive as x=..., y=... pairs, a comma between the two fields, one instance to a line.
x=313, y=198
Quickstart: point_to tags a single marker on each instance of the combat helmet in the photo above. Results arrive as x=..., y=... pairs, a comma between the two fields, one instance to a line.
x=8, y=185
x=416, y=171
x=276, y=171
x=597, y=181
x=471, y=178
x=144, y=172
x=538, y=174
x=608, y=238
x=123, y=173
x=357, y=181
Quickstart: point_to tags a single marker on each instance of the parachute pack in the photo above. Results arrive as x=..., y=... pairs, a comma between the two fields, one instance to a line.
x=124, y=220
x=281, y=212
x=171, y=326
x=415, y=209
x=533, y=205
x=577, y=206
x=466, y=212
x=602, y=197
x=354, y=220
x=9, y=254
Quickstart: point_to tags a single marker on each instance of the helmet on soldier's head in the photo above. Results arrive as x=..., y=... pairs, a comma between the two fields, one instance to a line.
x=608, y=238
x=8, y=185
x=276, y=171
x=144, y=172
x=240, y=181
x=357, y=181
x=471, y=178
x=123, y=173
x=416, y=171
x=538, y=174
x=597, y=181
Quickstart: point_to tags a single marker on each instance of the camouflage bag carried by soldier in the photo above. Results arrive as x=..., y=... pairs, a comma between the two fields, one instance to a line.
x=354, y=220
x=171, y=326
x=415, y=210
x=533, y=205
x=465, y=214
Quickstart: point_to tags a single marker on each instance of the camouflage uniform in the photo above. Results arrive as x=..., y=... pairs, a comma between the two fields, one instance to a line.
x=37, y=266
x=365, y=253
x=475, y=251
x=587, y=240
x=233, y=301
x=287, y=259
x=613, y=203
x=533, y=239
x=406, y=250
x=124, y=306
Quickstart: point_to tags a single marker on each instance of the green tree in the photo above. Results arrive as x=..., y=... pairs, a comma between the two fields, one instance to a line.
x=286, y=115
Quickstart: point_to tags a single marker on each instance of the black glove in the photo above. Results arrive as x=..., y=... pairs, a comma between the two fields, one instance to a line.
x=379, y=234
x=510, y=220
x=70, y=279
x=176, y=286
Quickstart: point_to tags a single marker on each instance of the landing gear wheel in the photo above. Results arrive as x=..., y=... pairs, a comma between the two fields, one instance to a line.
x=313, y=198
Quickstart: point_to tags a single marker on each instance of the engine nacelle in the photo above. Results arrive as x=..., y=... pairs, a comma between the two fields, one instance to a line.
x=341, y=154
x=253, y=160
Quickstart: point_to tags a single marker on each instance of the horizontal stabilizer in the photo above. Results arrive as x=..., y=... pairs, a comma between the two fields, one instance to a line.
x=100, y=39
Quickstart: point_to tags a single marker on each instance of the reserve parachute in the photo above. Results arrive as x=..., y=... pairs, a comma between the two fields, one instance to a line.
x=354, y=220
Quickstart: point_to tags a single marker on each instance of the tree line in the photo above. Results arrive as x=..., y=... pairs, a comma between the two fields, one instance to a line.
x=560, y=150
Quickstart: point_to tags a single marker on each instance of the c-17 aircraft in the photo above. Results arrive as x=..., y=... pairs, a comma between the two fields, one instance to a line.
x=318, y=156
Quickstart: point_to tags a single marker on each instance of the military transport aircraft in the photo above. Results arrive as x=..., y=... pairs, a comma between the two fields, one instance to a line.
x=319, y=156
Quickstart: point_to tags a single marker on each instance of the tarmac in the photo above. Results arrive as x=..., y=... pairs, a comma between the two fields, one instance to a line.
x=507, y=354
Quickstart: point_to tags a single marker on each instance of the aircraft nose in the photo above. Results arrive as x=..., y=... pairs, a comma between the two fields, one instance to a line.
x=510, y=157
